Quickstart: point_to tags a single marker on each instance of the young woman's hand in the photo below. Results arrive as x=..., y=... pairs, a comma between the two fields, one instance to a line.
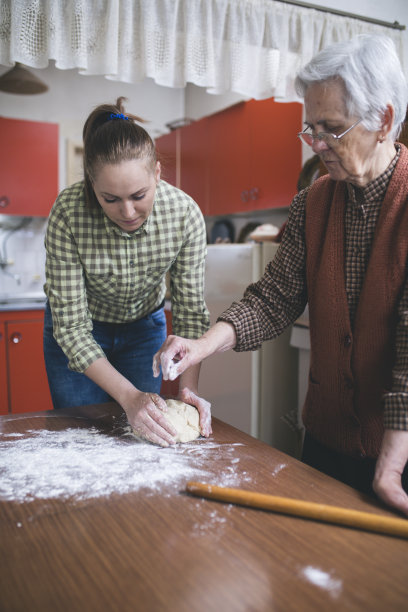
x=146, y=413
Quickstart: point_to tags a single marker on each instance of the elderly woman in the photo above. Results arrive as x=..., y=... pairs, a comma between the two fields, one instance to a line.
x=345, y=253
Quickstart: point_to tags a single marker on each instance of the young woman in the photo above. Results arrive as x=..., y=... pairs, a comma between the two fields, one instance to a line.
x=110, y=241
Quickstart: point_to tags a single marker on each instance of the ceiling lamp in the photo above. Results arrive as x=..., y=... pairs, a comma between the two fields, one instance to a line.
x=19, y=80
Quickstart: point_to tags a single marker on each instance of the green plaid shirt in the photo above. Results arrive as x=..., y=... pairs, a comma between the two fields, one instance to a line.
x=95, y=270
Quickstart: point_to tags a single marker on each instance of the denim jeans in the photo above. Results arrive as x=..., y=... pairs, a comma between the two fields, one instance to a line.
x=129, y=347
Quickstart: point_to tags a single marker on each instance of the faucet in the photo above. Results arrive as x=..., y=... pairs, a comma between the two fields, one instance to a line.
x=16, y=277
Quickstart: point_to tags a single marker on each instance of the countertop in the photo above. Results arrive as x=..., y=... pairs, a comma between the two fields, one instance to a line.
x=109, y=526
x=22, y=302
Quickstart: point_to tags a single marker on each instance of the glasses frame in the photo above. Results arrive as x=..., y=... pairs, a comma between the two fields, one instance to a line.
x=321, y=135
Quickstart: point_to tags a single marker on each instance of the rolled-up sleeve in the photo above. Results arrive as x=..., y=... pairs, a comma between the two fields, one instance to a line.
x=270, y=305
x=65, y=289
x=396, y=400
x=190, y=316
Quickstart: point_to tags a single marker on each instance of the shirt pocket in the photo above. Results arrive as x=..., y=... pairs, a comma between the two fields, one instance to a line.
x=153, y=276
x=102, y=285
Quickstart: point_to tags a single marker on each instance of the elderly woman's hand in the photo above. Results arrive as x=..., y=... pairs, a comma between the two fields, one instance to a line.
x=203, y=406
x=175, y=356
x=390, y=465
x=146, y=416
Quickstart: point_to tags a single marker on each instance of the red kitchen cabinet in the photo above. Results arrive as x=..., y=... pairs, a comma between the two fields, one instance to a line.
x=3, y=371
x=255, y=156
x=24, y=381
x=244, y=158
x=183, y=155
x=168, y=152
x=275, y=152
x=28, y=167
x=194, y=162
x=228, y=159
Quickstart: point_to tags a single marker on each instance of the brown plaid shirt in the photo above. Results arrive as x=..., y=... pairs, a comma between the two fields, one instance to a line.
x=280, y=296
x=95, y=270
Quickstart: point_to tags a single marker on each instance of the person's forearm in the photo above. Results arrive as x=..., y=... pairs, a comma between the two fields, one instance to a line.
x=219, y=338
x=190, y=377
x=102, y=373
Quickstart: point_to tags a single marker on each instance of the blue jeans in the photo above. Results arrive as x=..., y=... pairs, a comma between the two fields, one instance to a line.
x=129, y=347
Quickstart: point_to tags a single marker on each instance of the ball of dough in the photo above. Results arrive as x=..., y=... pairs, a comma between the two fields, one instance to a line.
x=185, y=419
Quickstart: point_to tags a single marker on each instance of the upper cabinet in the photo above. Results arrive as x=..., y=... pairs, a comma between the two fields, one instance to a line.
x=28, y=167
x=244, y=158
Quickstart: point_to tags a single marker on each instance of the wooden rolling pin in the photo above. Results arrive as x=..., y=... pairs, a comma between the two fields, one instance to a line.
x=310, y=510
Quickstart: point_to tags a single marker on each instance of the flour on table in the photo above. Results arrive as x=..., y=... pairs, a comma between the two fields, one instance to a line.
x=323, y=580
x=83, y=463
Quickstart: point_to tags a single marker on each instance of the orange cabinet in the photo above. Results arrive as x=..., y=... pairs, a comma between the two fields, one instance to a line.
x=24, y=385
x=168, y=151
x=194, y=157
x=244, y=158
x=3, y=370
x=275, y=159
x=28, y=167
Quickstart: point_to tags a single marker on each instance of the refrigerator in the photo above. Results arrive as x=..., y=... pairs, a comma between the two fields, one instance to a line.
x=255, y=391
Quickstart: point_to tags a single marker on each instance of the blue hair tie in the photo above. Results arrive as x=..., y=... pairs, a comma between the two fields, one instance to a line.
x=118, y=116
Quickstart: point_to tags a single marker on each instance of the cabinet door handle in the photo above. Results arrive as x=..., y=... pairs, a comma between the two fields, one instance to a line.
x=4, y=201
x=16, y=337
x=254, y=193
x=245, y=195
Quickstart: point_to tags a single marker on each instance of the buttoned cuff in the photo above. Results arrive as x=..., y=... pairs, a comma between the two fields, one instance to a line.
x=396, y=411
x=247, y=328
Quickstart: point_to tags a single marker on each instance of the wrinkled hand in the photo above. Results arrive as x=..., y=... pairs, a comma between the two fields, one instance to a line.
x=390, y=465
x=146, y=416
x=204, y=408
x=175, y=356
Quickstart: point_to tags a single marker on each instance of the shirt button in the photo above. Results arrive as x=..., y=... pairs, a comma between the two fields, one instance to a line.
x=347, y=340
x=131, y=262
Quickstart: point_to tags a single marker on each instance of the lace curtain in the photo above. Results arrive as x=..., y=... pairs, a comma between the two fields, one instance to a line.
x=250, y=47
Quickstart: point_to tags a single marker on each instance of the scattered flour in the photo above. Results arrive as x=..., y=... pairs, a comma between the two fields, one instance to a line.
x=323, y=579
x=278, y=468
x=84, y=463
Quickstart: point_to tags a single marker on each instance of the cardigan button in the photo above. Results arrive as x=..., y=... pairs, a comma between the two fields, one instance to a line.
x=347, y=340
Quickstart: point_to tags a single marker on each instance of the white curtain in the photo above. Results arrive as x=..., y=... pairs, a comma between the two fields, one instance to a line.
x=251, y=47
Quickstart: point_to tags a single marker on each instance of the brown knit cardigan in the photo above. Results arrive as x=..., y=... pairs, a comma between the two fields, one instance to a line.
x=350, y=370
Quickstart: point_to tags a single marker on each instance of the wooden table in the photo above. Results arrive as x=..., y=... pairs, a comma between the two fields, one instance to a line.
x=156, y=548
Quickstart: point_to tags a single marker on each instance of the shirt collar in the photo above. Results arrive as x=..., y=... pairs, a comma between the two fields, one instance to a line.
x=376, y=189
x=112, y=228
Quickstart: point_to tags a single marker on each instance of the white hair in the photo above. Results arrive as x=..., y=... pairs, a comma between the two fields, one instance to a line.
x=372, y=76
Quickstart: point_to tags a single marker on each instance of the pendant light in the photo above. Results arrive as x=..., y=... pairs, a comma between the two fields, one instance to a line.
x=19, y=80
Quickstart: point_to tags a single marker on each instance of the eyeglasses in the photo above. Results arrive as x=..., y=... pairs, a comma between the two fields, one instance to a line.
x=330, y=139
